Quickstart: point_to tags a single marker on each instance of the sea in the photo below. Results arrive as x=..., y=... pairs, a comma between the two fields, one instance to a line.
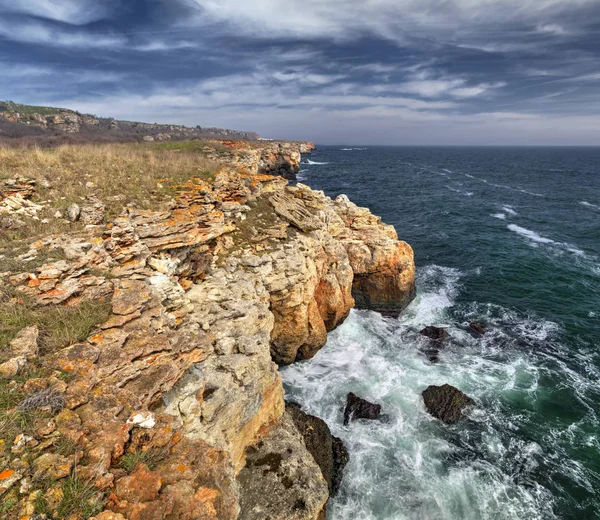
x=506, y=236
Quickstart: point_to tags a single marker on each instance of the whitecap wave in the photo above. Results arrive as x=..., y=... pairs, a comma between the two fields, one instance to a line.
x=456, y=190
x=308, y=161
x=510, y=210
x=589, y=204
x=531, y=235
x=501, y=216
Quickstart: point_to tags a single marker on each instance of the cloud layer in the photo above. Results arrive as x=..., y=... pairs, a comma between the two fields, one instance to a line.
x=388, y=71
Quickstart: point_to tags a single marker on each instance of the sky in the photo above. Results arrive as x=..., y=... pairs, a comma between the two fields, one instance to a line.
x=402, y=72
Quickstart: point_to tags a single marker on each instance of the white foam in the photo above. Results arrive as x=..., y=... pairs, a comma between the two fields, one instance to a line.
x=308, y=161
x=412, y=467
x=509, y=210
x=456, y=190
x=531, y=235
x=589, y=205
x=447, y=171
x=501, y=216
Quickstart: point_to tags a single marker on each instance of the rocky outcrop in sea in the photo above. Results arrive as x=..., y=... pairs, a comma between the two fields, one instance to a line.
x=203, y=301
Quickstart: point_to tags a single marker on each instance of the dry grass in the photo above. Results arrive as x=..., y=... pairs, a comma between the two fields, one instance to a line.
x=140, y=174
x=59, y=326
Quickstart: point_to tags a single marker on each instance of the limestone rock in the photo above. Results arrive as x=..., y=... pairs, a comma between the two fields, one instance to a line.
x=281, y=479
x=25, y=343
x=73, y=212
x=445, y=402
x=328, y=451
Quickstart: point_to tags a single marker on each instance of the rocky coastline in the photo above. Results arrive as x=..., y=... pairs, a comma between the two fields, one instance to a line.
x=202, y=300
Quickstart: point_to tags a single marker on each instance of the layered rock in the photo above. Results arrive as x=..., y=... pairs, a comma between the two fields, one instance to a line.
x=206, y=296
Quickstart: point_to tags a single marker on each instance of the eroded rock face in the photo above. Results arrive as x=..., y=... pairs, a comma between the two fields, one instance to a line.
x=384, y=268
x=359, y=408
x=446, y=402
x=281, y=479
x=328, y=451
x=204, y=296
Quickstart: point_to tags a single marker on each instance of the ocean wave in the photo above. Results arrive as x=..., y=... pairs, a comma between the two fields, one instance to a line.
x=481, y=463
x=588, y=262
x=589, y=204
x=447, y=171
x=509, y=210
x=501, y=216
x=456, y=190
x=504, y=186
x=308, y=161
x=351, y=149
x=531, y=235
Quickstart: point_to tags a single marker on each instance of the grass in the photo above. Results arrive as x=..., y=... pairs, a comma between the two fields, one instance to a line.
x=58, y=326
x=142, y=174
x=65, y=446
x=78, y=498
x=11, y=251
x=260, y=220
x=28, y=109
x=130, y=461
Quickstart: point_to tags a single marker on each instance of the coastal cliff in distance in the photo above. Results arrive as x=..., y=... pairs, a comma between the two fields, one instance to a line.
x=179, y=303
x=44, y=123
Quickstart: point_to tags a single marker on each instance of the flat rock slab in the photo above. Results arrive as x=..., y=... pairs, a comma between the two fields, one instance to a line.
x=358, y=408
x=295, y=212
x=446, y=402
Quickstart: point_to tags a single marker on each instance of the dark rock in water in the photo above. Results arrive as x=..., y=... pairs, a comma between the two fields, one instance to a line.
x=478, y=327
x=432, y=354
x=358, y=408
x=445, y=402
x=328, y=451
x=436, y=334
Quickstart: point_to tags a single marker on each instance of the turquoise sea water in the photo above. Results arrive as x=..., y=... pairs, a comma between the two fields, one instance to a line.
x=509, y=236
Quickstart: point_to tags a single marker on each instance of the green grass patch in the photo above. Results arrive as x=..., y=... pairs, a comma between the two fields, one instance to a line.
x=130, y=461
x=7, y=106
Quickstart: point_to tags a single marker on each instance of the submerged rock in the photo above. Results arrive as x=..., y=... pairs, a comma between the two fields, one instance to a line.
x=478, y=327
x=328, y=451
x=446, y=402
x=437, y=334
x=358, y=408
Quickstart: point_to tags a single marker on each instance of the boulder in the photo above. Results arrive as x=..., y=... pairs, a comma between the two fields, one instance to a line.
x=73, y=212
x=358, y=408
x=437, y=334
x=446, y=402
x=328, y=451
x=281, y=479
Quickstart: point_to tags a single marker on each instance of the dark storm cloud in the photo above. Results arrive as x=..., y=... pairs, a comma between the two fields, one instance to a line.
x=411, y=71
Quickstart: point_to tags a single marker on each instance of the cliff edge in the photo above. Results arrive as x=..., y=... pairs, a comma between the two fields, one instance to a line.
x=166, y=402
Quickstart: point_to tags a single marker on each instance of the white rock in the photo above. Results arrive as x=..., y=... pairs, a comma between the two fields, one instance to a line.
x=142, y=419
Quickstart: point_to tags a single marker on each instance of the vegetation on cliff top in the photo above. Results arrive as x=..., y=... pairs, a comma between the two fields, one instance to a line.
x=120, y=175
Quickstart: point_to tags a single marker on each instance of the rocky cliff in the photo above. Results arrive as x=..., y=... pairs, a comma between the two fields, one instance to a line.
x=18, y=121
x=173, y=406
